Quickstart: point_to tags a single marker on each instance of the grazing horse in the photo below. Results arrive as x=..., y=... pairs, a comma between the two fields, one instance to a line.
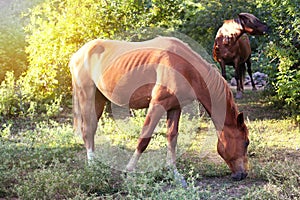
x=163, y=75
x=232, y=46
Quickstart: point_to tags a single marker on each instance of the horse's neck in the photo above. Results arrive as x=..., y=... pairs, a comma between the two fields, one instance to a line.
x=217, y=99
x=231, y=30
x=211, y=89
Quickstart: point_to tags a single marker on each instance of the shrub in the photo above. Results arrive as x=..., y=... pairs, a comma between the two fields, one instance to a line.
x=8, y=96
x=58, y=28
x=283, y=50
x=16, y=99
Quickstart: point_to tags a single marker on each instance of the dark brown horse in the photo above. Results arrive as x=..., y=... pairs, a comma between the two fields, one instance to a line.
x=163, y=74
x=232, y=46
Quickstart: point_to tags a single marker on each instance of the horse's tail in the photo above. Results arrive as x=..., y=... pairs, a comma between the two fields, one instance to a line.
x=242, y=71
x=215, y=51
x=77, y=118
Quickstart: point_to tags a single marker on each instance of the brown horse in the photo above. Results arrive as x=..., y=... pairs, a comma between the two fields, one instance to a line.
x=163, y=74
x=232, y=46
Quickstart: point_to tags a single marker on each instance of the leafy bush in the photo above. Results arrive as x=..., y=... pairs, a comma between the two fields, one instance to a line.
x=202, y=19
x=12, y=40
x=8, y=96
x=283, y=50
x=16, y=99
x=58, y=28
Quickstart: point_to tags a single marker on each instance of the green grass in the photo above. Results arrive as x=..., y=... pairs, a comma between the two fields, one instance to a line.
x=44, y=160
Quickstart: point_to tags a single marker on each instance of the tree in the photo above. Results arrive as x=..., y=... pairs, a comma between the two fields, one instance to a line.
x=12, y=37
x=58, y=28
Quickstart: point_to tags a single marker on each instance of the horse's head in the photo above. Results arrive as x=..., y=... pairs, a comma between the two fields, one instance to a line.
x=232, y=147
x=252, y=24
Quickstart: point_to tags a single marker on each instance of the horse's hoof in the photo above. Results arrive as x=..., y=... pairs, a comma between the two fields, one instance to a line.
x=129, y=169
x=179, y=179
x=239, y=95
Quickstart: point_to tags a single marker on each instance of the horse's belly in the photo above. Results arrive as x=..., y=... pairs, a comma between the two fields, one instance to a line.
x=141, y=97
x=226, y=55
x=131, y=89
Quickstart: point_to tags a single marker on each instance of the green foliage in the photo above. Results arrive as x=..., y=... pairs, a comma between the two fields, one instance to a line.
x=284, y=51
x=12, y=41
x=55, y=29
x=202, y=19
x=61, y=181
x=16, y=99
x=43, y=160
x=58, y=28
x=12, y=37
x=8, y=97
x=274, y=151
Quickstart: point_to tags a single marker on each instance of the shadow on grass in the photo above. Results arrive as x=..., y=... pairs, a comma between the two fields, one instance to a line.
x=255, y=105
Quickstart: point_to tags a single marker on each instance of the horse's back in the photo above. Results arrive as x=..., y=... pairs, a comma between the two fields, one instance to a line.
x=127, y=72
x=123, y=71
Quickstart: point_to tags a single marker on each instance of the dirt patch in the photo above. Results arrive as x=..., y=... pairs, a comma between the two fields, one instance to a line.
x=227, y=187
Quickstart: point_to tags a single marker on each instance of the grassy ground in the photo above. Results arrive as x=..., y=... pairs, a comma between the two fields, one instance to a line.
x=44, y=160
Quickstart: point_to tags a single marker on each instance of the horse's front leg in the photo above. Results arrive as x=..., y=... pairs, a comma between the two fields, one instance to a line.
x=222, y=64
x=172, y=135
x=86, y=97
x=153, y=116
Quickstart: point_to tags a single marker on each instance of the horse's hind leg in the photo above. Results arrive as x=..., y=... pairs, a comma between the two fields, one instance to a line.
x=238, y=78
x=154, y=113
x=100, y=102
x=250, y=73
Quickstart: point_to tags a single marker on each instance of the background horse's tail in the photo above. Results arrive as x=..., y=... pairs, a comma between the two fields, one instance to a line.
x=242, y=71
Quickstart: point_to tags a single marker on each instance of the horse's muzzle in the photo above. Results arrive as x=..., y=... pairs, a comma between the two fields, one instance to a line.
x=267, y=30
x=238, y=176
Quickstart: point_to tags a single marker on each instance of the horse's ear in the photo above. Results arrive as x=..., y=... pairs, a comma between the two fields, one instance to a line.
x=240, y=119
x=242, y=16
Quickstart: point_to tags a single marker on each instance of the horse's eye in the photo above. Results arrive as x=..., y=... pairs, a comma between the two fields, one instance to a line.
x=247, y=143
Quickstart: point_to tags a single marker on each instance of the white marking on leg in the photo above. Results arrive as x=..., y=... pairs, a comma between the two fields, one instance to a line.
x=132, y=163
x=171, y=163
x=90, y=155
x=179, y=178
x=171, y=158
x=171, y=153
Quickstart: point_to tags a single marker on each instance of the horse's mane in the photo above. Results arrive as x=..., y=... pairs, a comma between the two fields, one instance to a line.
x=229, y=28
x=220, y=92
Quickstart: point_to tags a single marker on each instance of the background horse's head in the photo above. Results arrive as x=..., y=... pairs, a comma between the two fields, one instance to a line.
x=252, y=24
x=232, y=147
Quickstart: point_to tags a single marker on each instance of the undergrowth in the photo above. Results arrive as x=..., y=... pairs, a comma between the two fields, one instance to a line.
x=43, y=159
